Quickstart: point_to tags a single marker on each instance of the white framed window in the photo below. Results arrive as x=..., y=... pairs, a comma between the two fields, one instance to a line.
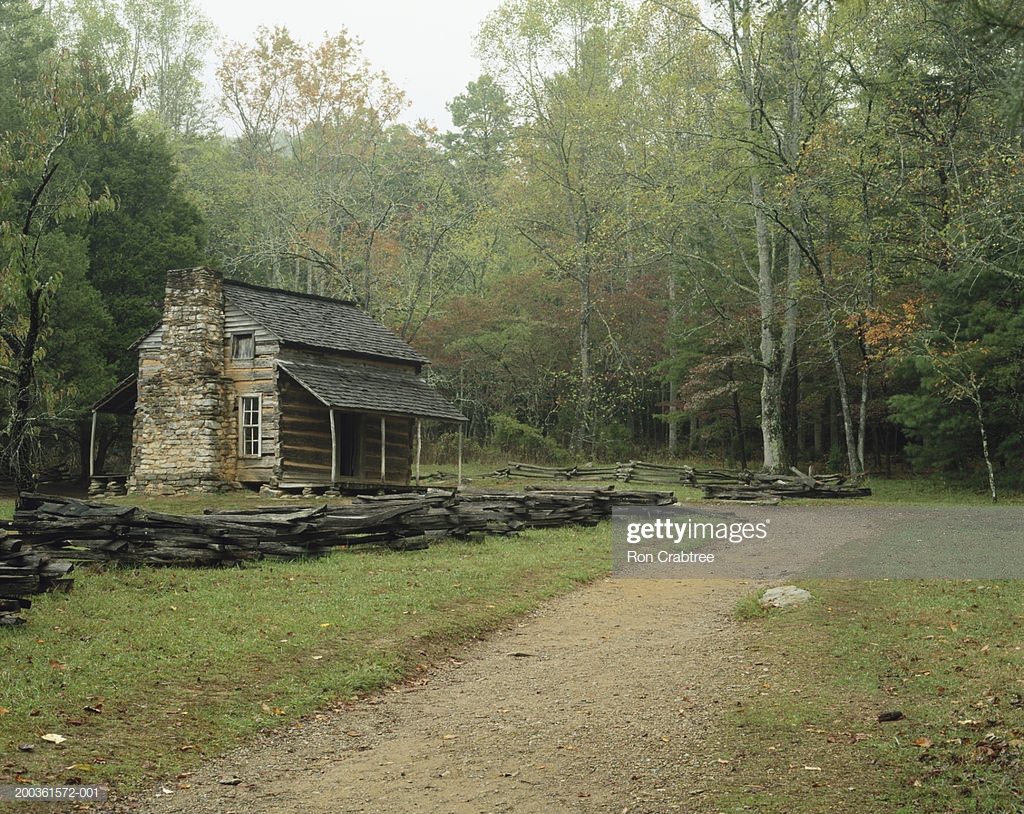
x=250, y=426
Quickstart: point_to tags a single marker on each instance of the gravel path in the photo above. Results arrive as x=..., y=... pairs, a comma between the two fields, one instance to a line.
x=602, y=700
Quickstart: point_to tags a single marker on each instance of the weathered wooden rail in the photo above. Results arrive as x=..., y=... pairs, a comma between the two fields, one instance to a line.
x=23, y=574
x=762, y=488
x=86, y=531
x=717, y=484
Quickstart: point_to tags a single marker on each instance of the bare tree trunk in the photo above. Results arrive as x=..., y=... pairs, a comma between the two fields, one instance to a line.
x=673, y=376
x=585, y=402
x=984, y=448
x=21, y=434
x=771, y=354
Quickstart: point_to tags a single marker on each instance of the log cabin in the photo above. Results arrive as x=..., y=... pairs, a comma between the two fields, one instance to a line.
x=249, y=386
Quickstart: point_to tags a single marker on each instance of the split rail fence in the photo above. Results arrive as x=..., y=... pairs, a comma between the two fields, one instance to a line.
x=48, y=534
x=716, y=484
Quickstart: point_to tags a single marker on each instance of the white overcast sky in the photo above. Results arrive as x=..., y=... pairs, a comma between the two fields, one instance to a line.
x=424, y=46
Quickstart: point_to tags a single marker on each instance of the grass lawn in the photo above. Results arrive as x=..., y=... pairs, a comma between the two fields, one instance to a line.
x=146, y=671
x=946, y=654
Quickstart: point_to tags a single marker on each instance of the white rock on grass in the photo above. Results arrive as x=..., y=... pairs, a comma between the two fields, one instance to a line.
x=785, y=597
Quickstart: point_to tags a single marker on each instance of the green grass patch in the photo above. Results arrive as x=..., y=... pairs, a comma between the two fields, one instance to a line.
x=946, y=654
x=146, y=671
x=931, y=490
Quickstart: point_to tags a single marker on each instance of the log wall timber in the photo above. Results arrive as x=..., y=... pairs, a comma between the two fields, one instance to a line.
x=251, y=375
x=398, y=434
x=97, y=532
x=305, y=436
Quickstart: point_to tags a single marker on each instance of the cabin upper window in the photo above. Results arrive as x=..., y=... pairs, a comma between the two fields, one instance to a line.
x=250, y=426
x=243, y=346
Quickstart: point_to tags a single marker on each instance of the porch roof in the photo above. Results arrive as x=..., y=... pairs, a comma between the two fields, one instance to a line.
x=373, y=390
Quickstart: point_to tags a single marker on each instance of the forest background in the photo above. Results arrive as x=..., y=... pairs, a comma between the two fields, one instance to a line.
x=769, y=232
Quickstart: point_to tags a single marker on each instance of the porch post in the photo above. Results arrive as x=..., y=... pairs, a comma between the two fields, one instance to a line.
x=383, y=449
x=459, y=486
x=419, y=447
x=92, y=446
x=334, y=449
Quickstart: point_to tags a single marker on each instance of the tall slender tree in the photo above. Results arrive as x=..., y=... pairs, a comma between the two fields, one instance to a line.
x=558, y=62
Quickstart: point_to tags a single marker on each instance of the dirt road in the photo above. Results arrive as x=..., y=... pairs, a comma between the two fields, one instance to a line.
x=603, y=700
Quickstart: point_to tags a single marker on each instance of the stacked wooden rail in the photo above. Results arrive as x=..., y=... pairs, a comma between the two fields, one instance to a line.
x=716, y=484
x=627, y=472
x=23, y=574
x=762, y=488
x=130, y=535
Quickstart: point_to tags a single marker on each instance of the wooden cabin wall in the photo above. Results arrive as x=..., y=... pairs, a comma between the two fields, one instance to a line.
x=306, y=442
x=305, y=436
x=399, y=434
x=250, y=377
x=310, y=357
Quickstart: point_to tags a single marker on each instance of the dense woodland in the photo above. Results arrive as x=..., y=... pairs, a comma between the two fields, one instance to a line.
x=770, y=232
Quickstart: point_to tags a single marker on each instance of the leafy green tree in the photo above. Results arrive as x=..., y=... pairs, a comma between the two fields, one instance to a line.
x=321, y=164
x=155, y=48
x=154, y=228
x=481, y=143
x=942, y=206
x=512, y=361
x=64, y=107
x=960, y=368
x=478, y=152
x=558, y=63
x=75, y=368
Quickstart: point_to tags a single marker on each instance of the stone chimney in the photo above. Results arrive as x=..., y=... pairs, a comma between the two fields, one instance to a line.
x=181, y=416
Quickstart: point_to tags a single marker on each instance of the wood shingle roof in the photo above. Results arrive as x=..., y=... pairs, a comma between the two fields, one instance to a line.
x=319, y=322
x=368, y=389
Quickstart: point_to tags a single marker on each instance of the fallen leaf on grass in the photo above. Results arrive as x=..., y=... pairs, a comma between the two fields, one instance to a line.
x=924, y=743
x=52, y=737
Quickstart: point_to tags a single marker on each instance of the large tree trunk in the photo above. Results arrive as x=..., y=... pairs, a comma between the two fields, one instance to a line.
x=772, y=376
